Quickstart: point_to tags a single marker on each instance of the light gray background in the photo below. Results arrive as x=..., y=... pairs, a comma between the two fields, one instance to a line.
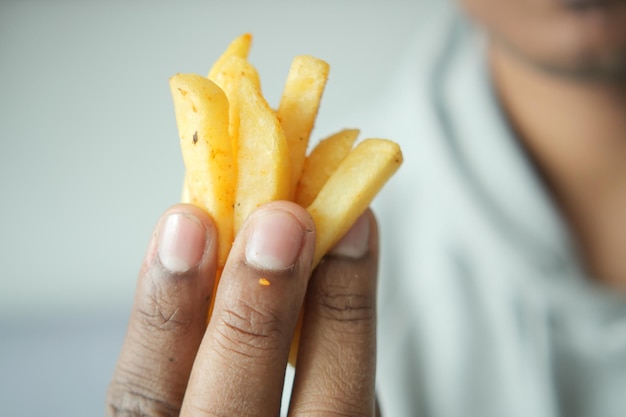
x=89, y=157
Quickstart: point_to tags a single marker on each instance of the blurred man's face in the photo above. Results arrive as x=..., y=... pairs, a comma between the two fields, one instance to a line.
x=584, y=38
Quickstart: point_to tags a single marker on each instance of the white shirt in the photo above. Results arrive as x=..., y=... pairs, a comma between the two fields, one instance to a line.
x=484, y=308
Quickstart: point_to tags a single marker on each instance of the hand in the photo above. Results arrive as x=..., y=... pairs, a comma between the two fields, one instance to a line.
x=173, y=364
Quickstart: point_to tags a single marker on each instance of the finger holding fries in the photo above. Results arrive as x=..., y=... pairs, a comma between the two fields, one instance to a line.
x=174, y=363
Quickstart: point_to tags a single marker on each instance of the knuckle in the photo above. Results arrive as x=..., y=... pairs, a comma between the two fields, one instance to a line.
x=249, y=331
x=343, y=305
x=213, y=410
x=158, y=313
x=125, y=400
x=345, y=296
x=334, y=407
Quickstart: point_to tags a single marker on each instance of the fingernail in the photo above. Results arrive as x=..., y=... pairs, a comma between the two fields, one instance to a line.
x=275, y=241
x=355, y=243
x=181, y=243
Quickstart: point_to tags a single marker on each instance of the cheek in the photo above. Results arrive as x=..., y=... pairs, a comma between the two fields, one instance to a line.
x=516, y=21
x=490, y=12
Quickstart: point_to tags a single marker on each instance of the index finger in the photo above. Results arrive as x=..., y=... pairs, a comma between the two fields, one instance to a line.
x=240, y=366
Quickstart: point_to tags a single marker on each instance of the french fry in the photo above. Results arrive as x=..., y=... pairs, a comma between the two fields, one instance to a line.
x=263, y=157
x=228, y=78
x=184, y=195
x=351, y=189
x=298, y=108
x=201, y=111
x=240, y=47
x=321, y=163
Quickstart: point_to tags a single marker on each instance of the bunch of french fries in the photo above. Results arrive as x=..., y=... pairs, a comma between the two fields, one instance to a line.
x=239, y=153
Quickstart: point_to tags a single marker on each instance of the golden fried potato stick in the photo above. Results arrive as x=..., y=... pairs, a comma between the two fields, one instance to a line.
x=298, y=108
x=201, y=110
x=263, y=159
x=184, y=195
x=240, y=47
x=228, y=78
x=321, y=163
x=351, y=189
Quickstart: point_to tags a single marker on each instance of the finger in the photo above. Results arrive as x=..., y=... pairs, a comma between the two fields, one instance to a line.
x=168, y=317
x=242, y=360
x=336, y=368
